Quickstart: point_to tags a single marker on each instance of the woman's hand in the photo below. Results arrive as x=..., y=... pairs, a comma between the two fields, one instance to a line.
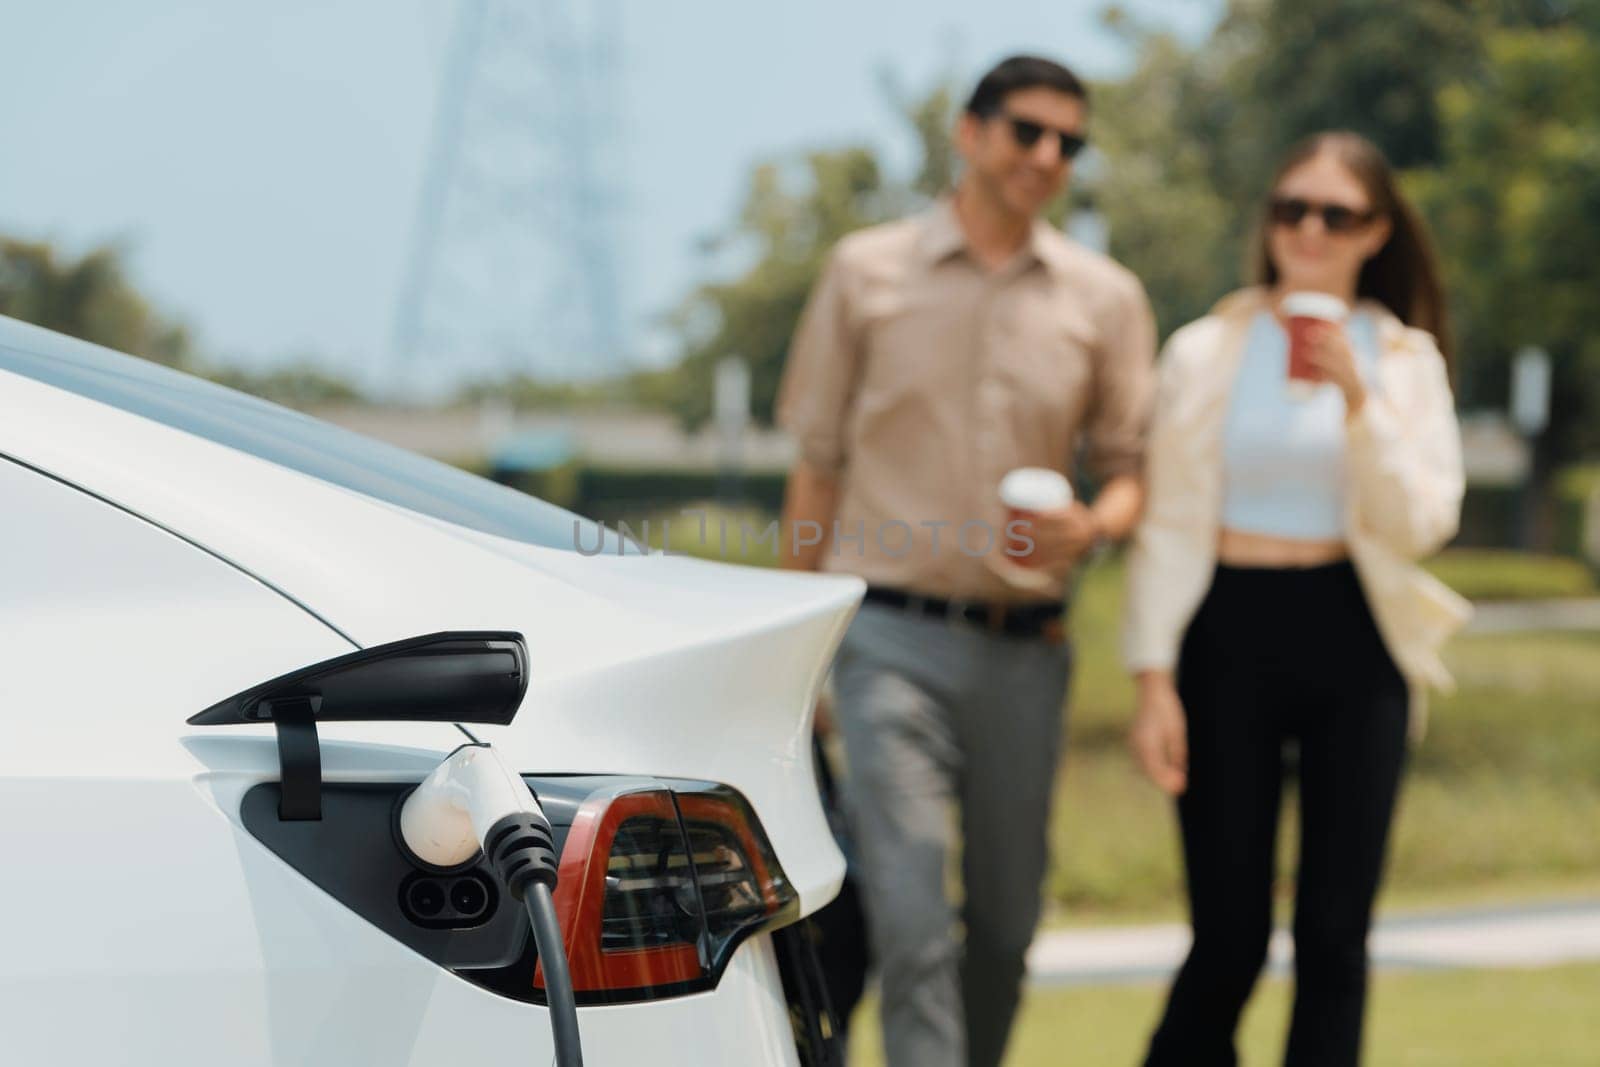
x=1335, y=361
x=1160, y=734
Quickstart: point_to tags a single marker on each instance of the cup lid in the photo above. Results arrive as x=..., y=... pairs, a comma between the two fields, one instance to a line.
x=1035, y=489
x=1315, y=306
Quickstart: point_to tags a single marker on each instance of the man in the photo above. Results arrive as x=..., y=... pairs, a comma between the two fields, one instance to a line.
x=936, y=354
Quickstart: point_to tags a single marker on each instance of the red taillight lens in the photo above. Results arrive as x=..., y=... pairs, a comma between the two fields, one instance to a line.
x=650, y=899
x=657, y=888
x=742, y=888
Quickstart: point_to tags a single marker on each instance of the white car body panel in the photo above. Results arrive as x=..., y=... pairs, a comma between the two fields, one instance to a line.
x=270, y=970
x=228, y=570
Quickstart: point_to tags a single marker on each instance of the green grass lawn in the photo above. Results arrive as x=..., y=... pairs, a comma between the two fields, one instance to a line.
x=1503, y=574
x=1536, y=1018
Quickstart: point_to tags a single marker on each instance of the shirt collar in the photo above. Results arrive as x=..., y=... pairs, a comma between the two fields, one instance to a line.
x=942, y=237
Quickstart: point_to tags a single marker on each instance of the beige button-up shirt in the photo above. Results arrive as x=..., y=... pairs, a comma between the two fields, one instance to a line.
x=918, y=378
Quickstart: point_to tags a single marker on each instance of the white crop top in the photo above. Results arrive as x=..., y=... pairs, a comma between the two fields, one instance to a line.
x=1283, y=456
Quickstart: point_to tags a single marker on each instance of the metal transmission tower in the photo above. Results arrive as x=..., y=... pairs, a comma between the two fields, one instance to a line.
x=513, y=266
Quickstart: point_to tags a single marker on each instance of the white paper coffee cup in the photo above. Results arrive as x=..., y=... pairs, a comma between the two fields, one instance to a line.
x=1025, y=492
x=1035, y=489
x=1303, y=312
x=1322, y=306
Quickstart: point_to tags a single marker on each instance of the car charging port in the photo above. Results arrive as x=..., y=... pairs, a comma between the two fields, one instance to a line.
x=469, y=897
x=425, y=898
x=448, y=902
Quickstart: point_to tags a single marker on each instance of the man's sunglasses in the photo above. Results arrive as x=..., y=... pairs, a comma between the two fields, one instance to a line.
x=1026, y=132
x=1336, y=218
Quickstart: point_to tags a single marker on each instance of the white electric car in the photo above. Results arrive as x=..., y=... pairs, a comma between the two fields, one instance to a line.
x=232, y=639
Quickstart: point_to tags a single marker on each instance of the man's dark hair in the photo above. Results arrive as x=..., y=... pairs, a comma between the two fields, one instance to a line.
x=1022, y=72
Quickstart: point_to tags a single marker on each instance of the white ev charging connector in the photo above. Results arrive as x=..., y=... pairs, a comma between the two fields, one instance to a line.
x=473, y=800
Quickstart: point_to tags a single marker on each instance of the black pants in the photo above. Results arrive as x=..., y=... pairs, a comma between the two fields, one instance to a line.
x=1274, y=657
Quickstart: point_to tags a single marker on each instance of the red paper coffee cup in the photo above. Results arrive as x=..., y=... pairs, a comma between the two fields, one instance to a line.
x=1305, y=312
x=1025, y=492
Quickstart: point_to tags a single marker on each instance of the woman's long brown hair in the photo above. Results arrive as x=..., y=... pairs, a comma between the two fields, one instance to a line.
x=1404, y=274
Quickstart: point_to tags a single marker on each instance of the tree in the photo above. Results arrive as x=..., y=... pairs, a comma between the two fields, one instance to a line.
x=90, y=298
x=1515, y=203
x=1157, y=134
x=788, y=224
x=1190, y=139
x=1372, y=66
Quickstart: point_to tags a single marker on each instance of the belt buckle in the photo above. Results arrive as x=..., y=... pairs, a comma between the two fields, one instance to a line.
x=955, y=611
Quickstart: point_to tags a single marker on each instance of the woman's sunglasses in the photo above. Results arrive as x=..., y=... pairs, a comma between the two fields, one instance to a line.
x=1336, y=218
x=1026, y=133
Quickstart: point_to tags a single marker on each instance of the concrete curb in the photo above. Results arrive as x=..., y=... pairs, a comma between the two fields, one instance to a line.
x=1520, y=616
x=1533, y=935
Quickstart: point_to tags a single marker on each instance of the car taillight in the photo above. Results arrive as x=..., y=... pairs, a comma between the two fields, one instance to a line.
x=657, y=888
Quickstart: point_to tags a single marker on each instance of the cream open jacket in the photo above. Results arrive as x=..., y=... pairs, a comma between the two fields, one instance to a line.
x=1403, y=461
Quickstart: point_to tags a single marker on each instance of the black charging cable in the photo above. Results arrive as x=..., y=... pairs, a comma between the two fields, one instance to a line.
x=522, y=850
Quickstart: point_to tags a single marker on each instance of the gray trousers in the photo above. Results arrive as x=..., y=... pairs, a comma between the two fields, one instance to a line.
x=942, y=718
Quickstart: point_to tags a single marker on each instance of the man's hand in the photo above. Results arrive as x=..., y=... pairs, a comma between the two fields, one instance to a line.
x=1160, y=735
x=1061, y=537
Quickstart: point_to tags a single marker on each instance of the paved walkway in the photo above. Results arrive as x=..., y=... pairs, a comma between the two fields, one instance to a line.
x=1535, y=935
x=1515, y=616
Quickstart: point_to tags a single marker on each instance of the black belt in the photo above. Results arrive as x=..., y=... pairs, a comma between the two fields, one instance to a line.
x=1033, y=619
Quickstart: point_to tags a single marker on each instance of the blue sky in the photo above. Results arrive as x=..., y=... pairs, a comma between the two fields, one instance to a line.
x=262, y=161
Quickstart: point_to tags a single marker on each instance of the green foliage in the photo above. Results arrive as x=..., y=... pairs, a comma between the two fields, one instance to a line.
x=794, y=211
x=1158, y=133
x=1516, y=206
x=1191, y=137
x=1577, y=483
x=787, y=225
x=931, y=118
x=1372, y=66
x=89, y=297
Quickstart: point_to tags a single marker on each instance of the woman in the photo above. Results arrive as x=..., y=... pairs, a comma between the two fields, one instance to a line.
x=1274, y=594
